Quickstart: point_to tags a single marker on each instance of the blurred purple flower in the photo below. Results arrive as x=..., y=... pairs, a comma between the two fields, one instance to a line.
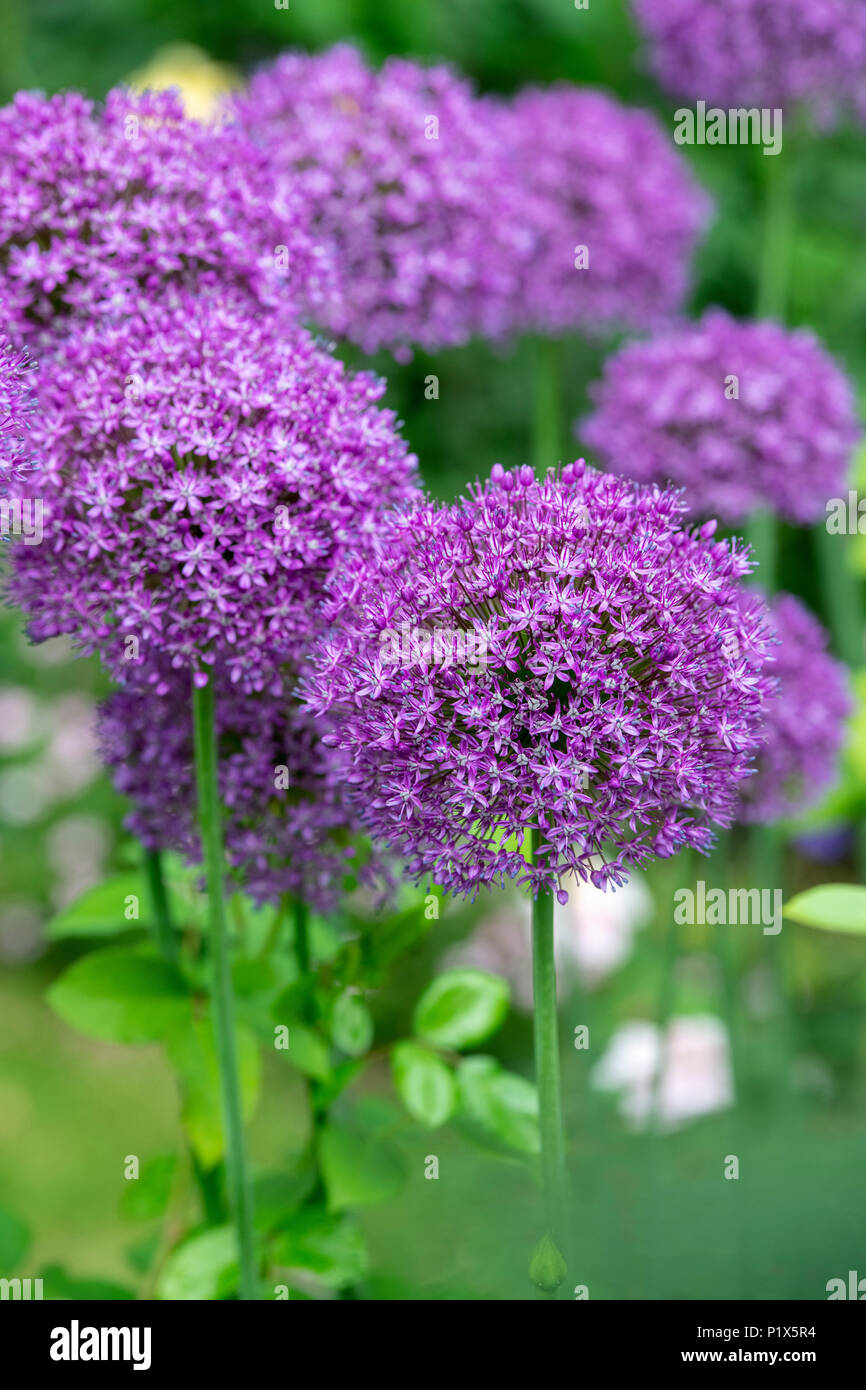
x=597, y=175
x=760, y=52
x=407, y=181
x=742, y=415
x=804, y=727
x=287, y=805
x=592, y=694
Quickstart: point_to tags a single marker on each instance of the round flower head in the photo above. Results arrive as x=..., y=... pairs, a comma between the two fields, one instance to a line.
x=284, y=793
x=15, y=408
x=404, y=177
x=97, y=204
x=559, y=656
x=743, y=415
x=201, y=474
x=804, y=726
x=610, y=207
x=762, y=53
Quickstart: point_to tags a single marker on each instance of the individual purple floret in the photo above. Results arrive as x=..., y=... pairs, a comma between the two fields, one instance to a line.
x=100, y=204
x=16, y=403
x=559, y=656
x=804, y=727
x=742, y=415
x=407, y=182
x=762, y=53
x=286, y=811
x=609, y=207
x=201, y=474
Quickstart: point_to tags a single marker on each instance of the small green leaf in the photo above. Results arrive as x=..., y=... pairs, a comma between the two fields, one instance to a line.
x=14, y=1240
x=147, y=1195
x=358, y=1169
x=192, y=1051
x=59, y=1284
x=830, y=907
x=203, y=1268
x=122, y=995
x=308, y=1052
x=351, y=1024
x=328, y=1245
x=104, y=910
x=503, y=1105
x=424, y=1083
x=461, y=1008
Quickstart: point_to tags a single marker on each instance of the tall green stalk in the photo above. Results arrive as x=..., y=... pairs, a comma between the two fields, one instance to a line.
x=163, y=927
x=546, y=1033
x=547, y=406
x=238, y=1179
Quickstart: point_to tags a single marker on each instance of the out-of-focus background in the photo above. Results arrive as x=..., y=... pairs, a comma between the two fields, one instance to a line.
x=656, y=1218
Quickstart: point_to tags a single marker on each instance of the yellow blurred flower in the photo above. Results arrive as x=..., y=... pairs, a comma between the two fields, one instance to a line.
x=200, y=80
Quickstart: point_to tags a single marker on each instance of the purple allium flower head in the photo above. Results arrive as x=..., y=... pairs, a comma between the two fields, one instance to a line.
x=779, y=436
x=558, y=655
x=286, y=804
x=597, y=175
x=762, y=53
x=16, y=402
x=97, y=204
x=804, y=726
x=406, y=178
x=201, y=473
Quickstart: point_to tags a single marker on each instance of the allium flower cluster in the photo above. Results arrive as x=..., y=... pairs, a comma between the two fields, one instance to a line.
x=284, y=794
x=612, y=699
x=804, y=727
x=609, y=207
x=15, y=406
x=743, y=415
x=760, y=52
x=100, y=204
x=407, y=183
x=201, y=474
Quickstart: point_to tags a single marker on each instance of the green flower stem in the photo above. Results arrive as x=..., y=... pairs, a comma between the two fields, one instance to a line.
x=726, y=949
x=164, y=933
x=317, y=1115
x=546, y=1032
x=546, y=441
x=762, y=533
x=844, y=596
x=766, y=846
x=238, y=1180
x=778, y=225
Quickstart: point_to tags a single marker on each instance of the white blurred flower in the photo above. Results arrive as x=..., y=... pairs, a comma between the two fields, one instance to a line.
x=25, y=794
x=77, y=851
x=72, y=756
x=21, y=935
x=593, y=935
x=696, y=1074
x=19, y=719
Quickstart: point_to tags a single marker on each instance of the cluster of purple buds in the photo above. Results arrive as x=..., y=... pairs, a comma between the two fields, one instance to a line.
x=610, y=698
x=101, y=208
x=201, y=474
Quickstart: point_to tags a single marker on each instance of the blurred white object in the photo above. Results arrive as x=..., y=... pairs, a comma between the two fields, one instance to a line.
x=695, y=1064
x=593, y=935
x=19, y=719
